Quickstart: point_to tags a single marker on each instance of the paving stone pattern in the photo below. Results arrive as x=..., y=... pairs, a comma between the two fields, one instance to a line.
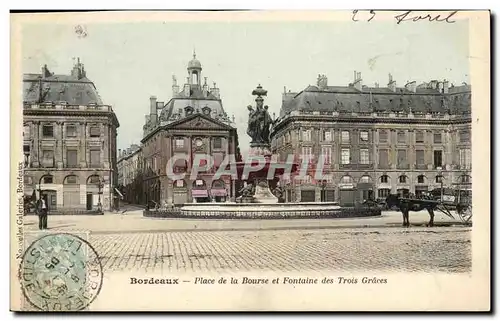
x=442, y=249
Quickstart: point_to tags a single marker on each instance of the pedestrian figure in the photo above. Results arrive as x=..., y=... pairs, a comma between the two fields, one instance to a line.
x=42, y=214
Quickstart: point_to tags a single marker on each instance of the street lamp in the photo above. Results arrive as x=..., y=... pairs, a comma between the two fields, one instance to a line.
x=99, y=204
x=440, y=175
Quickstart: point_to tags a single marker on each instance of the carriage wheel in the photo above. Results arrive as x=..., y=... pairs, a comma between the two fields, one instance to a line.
x=465, y=213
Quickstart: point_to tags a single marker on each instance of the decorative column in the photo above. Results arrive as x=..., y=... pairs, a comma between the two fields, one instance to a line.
x=36, y=143
x=83, y=144
x=106, y=149
x=59, y=142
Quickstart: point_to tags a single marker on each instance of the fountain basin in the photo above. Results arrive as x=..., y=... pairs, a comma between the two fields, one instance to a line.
x=231, y=210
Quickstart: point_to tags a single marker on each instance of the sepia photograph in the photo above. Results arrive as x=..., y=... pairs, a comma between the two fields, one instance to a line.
x=250, y=161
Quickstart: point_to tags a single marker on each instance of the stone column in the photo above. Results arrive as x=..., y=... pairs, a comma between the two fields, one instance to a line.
x=106, y=149
x=36, y=143
x=83, y=144
x=58, y=157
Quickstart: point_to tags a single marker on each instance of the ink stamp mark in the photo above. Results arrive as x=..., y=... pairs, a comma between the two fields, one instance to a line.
x=60, y=272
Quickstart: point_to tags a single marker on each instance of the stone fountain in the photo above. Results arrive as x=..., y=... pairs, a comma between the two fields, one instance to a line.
x=257, y=200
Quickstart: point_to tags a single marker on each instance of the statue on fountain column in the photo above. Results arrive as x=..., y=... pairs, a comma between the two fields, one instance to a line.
x=259, y=119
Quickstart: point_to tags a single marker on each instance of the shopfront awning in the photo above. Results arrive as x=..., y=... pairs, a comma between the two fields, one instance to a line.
x=199, y=193
x=218, y=192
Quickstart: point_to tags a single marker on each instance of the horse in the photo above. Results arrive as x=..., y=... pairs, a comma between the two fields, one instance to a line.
x=407, y=205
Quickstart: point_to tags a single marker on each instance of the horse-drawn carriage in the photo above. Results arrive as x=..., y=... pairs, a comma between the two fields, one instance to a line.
x=444, y=200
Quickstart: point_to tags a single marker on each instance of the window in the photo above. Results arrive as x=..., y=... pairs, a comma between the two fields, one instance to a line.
x=402, y=161
x=95, y=131
x=383, y=136
x=307, y=153
x=383, y=192
x=401, y=137
x=48, y=131
x=71, y=158
x=306, y=135
x=465, y=179
x=48, y=158
x=439, y=179
x=217, y=142
x=345, y=156
x=48, y=180
x=383, y=158
x=95, y=158
x=364, y=156
x=327, y=154
x=346, y=180
x=465, y=158
x=71, y=179
x=437, y=138
x=94, y=179
x=345, y=137
x=419, y=137
x=179, y=183
x=464, y=137
x=179, y=143
x=327, y=135
x=438, y=158
x=421, y=179
x=70, y=131
x=26, y=131
x=28, y=180
x=402, y=179
x=420, y=155
x=363, y=136
x=384, y=179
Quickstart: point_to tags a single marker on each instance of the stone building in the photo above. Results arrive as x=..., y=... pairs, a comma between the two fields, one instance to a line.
x=69, y=141
x=192, y=122
x=375, y=140
x=130, y=174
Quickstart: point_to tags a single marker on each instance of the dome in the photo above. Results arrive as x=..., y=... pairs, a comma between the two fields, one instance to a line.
x=194, y=63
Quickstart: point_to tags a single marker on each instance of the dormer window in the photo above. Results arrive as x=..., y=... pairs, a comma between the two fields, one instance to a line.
x=206, y=110
x=189, y=110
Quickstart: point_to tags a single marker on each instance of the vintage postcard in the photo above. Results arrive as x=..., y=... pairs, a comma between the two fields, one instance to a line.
x=250, y=161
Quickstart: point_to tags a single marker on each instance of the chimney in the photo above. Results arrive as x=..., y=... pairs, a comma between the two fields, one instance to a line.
x=119, y=153
x=205, y=88
x=392, y=84
x=187, y=88
x=411, y=86
x=358, y=82
x=377, y=85
x=180, y=112
x=215, y=91
x=152, y=110
x=175, y=87
x=159, y=105
x=45, y=72
x=147, y=119
x=446, y=86
x=322, y=81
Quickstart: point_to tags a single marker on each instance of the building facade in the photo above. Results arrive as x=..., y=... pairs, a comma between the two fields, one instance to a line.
x=192, y=122
x=130, y=174
x=69, y=141
x=374, y=140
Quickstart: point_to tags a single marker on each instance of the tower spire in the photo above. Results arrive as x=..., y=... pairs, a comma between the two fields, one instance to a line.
x=194, y=53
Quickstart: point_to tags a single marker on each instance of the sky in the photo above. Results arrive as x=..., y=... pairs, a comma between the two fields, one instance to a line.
x=129, y=62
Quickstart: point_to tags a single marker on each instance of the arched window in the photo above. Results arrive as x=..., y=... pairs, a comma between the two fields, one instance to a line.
x=218, y=184
x=71, y=179
x=47, y=179
x=403, y=179
x=346, y=179
x=93, y=180
x=365, y=179
x=384, y=179
x=199, y=184
x=421, y=179
x=180, y=183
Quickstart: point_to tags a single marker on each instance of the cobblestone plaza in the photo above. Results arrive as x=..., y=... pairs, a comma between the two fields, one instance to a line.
x=181, y=245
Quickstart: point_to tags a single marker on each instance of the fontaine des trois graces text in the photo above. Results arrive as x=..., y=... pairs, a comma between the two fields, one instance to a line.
x=244, y=280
